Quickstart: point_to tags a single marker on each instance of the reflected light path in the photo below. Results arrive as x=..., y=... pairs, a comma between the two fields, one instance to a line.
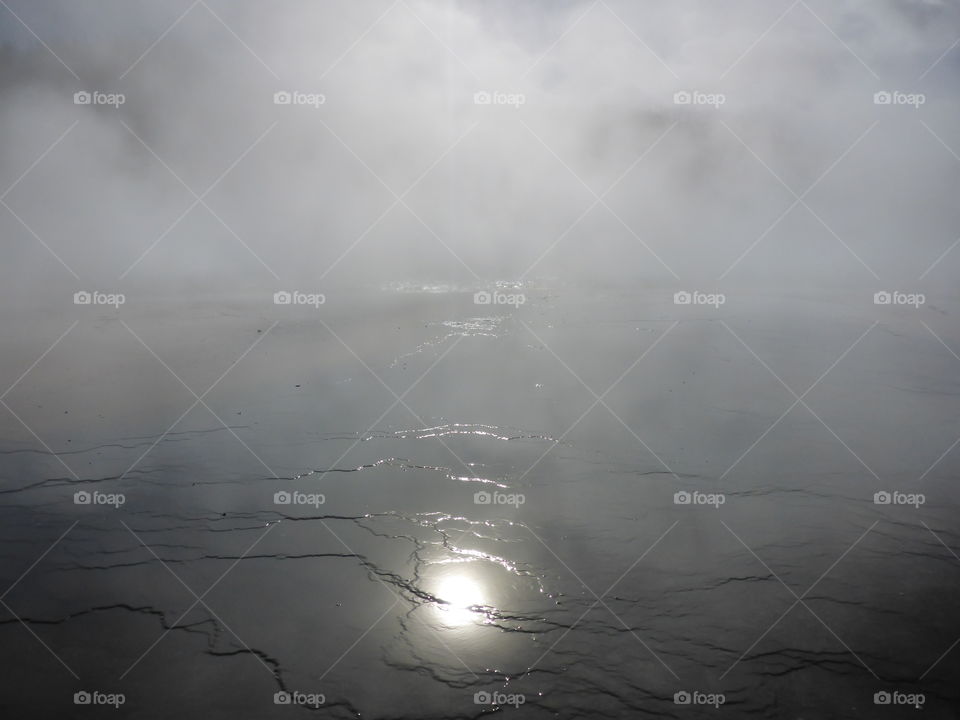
x=461, y=599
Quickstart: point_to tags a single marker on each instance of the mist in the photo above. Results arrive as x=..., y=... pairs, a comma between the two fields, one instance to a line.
x=306, y=195
x=426, y=358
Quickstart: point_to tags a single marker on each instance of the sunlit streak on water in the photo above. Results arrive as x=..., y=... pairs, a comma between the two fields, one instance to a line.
x=462, y=599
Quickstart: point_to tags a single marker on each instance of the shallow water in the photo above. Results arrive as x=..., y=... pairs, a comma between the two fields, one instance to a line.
x=482, y=499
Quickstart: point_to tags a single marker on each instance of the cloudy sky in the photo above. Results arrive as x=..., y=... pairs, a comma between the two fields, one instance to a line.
x=781, y=169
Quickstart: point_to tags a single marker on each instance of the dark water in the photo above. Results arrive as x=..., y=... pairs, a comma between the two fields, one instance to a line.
x=582, y=589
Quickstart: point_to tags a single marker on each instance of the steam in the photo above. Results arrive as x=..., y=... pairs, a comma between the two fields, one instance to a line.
x=306, y=195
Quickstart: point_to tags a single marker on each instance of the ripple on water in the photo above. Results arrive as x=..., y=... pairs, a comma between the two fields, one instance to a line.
x=488, y=326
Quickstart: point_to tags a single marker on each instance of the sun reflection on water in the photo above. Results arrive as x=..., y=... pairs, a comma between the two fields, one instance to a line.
x=462, y=600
